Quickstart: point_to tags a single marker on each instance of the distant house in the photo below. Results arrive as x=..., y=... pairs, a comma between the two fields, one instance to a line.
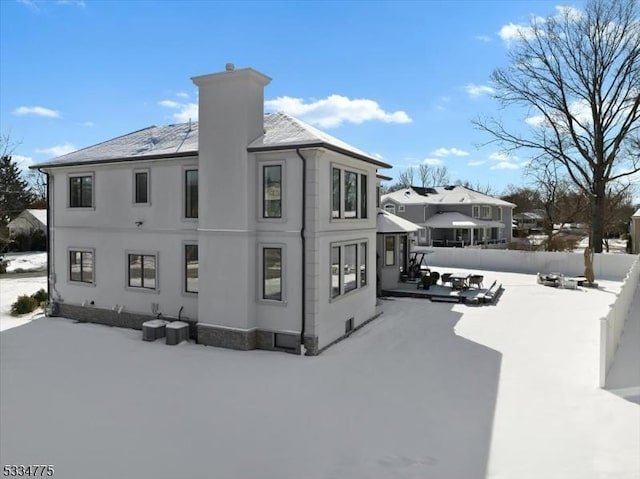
x=529, y=221
x=453, y=216
x=28, y=222
x=276, y=218
x=635, y=232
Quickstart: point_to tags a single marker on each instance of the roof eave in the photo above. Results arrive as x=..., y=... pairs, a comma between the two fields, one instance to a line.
x=169, y=156
x=321, y=144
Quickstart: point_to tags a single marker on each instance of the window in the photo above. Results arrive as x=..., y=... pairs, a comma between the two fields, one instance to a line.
x=142, y=271
x=363, y=264
x=81, y=191
x=191, y=267
x=400, y=208
x=141, y=187
x=191, y=193
x=348, y=267
x=378, y=195
x=391, y=208
x=348, y=194
x=81, y=266
x=335, y=271
x=348, y=325
x=499, y=213
x=335, y=194
x=485, y=211
x=272, y=274
x=389, y=250
x=272, y=191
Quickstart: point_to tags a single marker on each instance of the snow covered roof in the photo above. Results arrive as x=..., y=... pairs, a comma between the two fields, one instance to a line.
x=636, y=214
x=390, y=223
x=281, y=132
x=458, y=220
x=443, y=195
x=40, y=215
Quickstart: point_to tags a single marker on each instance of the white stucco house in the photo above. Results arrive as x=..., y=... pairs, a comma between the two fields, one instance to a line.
x=28, y=222
x=258, y=230
x=453, y=216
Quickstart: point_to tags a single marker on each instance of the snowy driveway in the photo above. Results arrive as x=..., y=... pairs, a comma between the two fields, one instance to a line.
x=427, y=390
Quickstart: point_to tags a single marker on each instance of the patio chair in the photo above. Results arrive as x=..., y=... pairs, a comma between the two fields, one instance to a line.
x=445, y=278
x=476, y=279
x=458, y=284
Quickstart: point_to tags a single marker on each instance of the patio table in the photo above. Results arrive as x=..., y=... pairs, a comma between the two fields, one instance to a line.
x=461, y=279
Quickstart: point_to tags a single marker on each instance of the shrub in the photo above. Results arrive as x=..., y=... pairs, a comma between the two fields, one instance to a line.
x=41, y=296
x=24, y=304
x=3, y=265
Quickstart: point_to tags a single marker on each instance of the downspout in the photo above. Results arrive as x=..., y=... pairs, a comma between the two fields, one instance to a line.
x=48, y=238
x=303, y=242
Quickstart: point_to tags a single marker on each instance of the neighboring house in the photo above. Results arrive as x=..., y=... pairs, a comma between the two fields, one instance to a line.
x=635, y=232
x=453, y=215
x=28, y=222
x=529, y=221
x=259, y=230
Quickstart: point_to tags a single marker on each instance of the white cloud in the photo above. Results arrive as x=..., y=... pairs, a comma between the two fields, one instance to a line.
x=23, y=162
x=77, y=3
x=572, y=13
x=433, y=161
x=30, y=4
x=37, y=111
x=186, y=111
x=335, y=110
x=475, y=163
x=478, y=90
x=505, y=165
x=58, y=150
x=512, y=32
x=449, y=152
x=378, y=156
x=498, y=156
x=483, y=38
x=580, y=109
x=88, y=124
x=182, y=94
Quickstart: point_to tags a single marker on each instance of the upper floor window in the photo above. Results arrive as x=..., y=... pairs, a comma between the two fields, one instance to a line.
x=391, y=208
x=481, y=211
x=272, y=191
x=348, y=194
x=499, y=213
x=81, y=265
x=81, y=191
x=141, y=187
x=191, y=267
x=191, y=193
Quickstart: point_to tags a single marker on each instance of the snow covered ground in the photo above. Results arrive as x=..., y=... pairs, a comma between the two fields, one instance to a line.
x=10, y=288
x=427, y=390
x=26, y=262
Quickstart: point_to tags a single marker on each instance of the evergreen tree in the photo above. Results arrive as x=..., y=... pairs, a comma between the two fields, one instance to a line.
x=15, y=192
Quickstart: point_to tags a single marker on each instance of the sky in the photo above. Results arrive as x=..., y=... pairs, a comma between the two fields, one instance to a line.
x=400, y=80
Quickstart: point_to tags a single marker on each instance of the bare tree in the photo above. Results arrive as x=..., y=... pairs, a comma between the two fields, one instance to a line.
x=433, y=176
x=405, y=179
x=480, y=188
x=578, y=76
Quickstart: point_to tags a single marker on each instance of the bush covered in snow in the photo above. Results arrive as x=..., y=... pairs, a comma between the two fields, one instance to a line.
x=41, y=296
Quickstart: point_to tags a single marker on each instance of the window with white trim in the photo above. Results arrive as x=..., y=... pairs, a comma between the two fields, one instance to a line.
x=401, y=208
x=81, y=191
x=348, y=194
x=142, y=270
x=391, y=208
x=141, y=187
x=499, y=213
x=81, y=266
x=191, y=268
x=485, y=211
x=348, y=267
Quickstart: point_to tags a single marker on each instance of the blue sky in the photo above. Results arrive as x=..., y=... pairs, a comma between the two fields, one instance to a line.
x=401, y=80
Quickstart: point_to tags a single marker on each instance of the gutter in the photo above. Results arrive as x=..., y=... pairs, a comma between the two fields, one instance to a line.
x=304, y=249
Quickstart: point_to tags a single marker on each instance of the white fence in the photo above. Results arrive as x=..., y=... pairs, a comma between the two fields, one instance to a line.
x=612, y=326
x=605, y=266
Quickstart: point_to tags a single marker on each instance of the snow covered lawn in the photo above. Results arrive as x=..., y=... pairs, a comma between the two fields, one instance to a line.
x=428, y=390
x=10, y=288
x=27, y=262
